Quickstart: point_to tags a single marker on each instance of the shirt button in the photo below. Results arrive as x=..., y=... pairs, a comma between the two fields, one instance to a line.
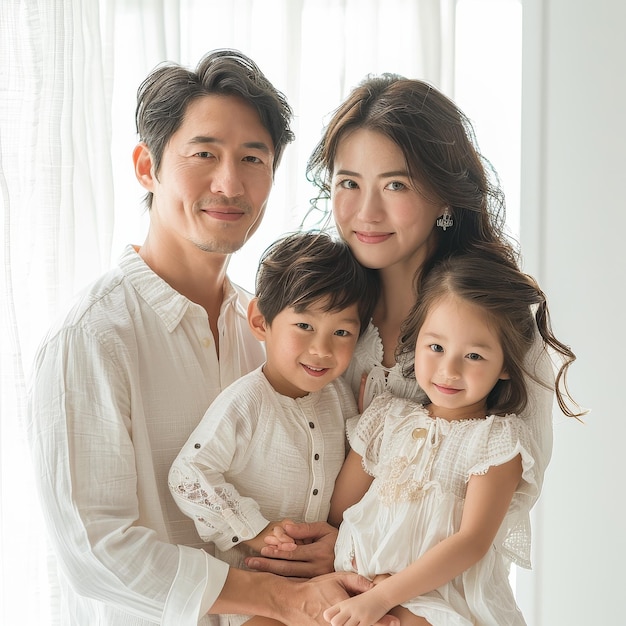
x=235, y=539
x=315, y=492
x=206, y=342
x=419, y=433
x=316, y=457
x=311, y=425
x=197, y=446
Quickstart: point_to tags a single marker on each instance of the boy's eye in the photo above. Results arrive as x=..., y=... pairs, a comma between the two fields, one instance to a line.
x=304, y=326
x=342, y=333
x=435, y=347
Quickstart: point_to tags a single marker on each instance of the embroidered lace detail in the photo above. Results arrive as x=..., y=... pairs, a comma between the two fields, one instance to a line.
x=220, y=501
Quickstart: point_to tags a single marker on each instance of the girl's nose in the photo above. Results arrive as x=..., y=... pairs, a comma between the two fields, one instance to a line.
x=449, y=368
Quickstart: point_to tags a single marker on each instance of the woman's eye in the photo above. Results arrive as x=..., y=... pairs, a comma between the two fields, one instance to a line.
x=435, y=347
x=396, y=185
x=347, y=184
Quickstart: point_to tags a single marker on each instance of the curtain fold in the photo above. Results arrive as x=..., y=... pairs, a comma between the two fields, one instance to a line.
x=69, y=71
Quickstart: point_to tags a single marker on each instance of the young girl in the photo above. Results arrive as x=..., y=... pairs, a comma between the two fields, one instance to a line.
x=435, y=497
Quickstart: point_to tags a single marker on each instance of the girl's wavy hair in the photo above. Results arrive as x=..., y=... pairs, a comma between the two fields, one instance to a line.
x=508, y=297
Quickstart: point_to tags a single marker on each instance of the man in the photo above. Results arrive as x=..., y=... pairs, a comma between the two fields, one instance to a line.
x=121, y=382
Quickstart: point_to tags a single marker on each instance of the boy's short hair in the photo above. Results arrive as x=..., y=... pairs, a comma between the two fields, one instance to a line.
x=301, y=269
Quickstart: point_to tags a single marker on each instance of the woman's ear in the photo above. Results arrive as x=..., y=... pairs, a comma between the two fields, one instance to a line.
x=256, y=320
x=142, y=160
x=504, y=375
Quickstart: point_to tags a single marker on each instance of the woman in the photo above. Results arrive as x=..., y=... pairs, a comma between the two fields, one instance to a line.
x=408, y=187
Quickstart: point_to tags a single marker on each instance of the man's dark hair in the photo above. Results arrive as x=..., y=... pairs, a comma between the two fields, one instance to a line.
x=163, y=98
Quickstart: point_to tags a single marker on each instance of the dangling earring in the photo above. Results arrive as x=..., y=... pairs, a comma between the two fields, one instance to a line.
x=445, y=221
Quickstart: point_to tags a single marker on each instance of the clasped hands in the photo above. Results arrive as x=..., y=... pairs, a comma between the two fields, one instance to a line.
x=303, y=550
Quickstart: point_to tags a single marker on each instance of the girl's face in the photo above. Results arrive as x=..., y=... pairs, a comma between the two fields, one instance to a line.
x=376, y=206
x=458, y=358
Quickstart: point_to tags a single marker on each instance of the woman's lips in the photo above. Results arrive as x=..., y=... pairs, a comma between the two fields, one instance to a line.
x=368, y=237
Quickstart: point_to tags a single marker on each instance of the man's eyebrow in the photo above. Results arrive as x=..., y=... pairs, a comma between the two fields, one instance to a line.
x=253, y=145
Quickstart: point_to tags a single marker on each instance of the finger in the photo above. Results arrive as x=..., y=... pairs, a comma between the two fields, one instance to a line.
x=388, y=620
x=355, y=584
x=279, y=533
x=310, y=530
x=279, y=546
x=280, y=567
x=274, y=552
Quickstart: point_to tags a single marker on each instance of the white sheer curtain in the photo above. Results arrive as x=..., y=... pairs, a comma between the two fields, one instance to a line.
x=69, y=70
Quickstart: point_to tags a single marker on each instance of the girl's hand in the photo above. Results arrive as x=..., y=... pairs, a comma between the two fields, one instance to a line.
x=366, y=608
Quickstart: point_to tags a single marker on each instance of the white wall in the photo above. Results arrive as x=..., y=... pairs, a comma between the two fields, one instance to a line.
x=572, y=230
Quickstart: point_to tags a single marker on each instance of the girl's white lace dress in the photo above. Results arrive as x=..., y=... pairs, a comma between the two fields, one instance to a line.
x=421, y=466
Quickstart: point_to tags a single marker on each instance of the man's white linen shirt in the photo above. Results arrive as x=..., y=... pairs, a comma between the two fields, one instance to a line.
x=117, y=388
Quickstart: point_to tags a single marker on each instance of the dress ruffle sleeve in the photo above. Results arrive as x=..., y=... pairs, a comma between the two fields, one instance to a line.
x=508, y=437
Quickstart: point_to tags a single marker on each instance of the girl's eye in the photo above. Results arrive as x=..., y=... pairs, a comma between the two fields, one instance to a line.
x=472, y=356
x=435, y=347
x=396, y=185
x=304, y=326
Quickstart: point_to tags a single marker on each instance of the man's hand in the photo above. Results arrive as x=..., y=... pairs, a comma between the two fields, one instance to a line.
x=313, y=557
x=319, y=594
x=290, y=601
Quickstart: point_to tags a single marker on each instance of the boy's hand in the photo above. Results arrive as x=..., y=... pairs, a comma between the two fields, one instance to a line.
x=313, y=555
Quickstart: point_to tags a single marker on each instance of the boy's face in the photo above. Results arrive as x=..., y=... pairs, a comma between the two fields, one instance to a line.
x=307, y=350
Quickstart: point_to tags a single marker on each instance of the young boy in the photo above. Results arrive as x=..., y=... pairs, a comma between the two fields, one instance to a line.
x=271, y=444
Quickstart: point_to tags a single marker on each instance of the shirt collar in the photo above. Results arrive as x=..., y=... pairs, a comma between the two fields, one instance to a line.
x=165, y=301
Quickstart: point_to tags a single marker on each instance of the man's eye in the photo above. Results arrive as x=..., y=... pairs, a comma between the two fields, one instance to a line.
x=252, y=159
x=203, y=155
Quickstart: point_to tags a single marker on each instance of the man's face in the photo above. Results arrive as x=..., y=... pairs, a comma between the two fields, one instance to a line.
x=215, y=177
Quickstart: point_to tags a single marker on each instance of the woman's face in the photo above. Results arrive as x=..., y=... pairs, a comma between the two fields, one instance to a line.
x=384, y=219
